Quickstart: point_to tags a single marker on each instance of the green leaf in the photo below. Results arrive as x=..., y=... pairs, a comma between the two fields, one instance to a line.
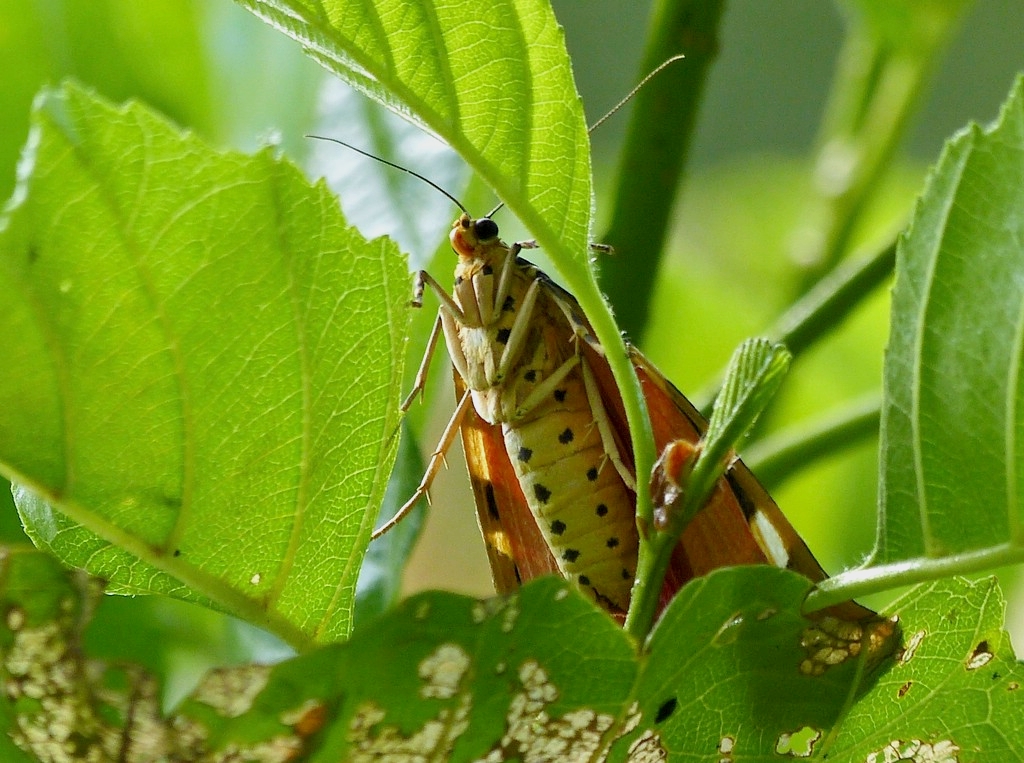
x=954, y=689
x=208, y=365
x=492, y=80
x=951, y=466
x=731, y=668
x=476, y=671
x=753, y=377
x=755, y=371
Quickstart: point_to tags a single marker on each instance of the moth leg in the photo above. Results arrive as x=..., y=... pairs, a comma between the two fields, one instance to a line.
x=604, y=427
x=448, y=315
x=420, y=383
x=504, y=282
x=433, y=466
x=424, y=279
x=451, y=338
x=579, y=324
x=517, y=336
x=547, y=387
x=508, y=270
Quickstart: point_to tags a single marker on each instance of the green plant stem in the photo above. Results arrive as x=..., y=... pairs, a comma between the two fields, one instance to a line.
x=776, y=458
x=864, y=581
x=657, y=144
x=651, y=569
x=755, y=374
x=879, y=80
x=832, y=299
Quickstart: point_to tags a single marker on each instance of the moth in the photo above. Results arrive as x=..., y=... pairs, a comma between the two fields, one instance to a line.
x=547, y=444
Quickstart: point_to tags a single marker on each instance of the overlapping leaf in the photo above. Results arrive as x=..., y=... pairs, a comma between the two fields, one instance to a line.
x=952, y=463
x=450, y=678
x=492, y=80
x=203, y=374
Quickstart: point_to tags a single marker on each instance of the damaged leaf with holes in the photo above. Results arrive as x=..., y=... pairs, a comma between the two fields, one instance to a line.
x=485, y=680
x=734, y=645
x=545, y=675
x=59, y=705
x=955, y=654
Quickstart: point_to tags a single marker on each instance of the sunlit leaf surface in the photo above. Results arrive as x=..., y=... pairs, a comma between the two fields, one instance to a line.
x=207, y=368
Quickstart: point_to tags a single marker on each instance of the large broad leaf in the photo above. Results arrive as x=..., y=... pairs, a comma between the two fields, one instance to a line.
x=203, y=363
x=491, y=79
x=731, y=673
x=952, y=463
x=952, y=466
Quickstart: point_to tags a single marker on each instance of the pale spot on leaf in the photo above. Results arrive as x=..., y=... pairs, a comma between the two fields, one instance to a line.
x=980, y=657
x=509, y=617
x=533, y=736
x=829, y=642
x=911, y=648
x=16, y=619
x=647, y=749
x=231, y=691
x=442, y=671
x=372, y=741
x=944, y=751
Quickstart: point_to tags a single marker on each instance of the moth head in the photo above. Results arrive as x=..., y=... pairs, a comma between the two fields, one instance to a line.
x=468, y=235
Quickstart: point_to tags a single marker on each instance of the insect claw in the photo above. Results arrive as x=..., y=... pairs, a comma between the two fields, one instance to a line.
x=407, y=403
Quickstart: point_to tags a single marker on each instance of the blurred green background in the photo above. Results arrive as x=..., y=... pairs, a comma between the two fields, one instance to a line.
x=731, y=267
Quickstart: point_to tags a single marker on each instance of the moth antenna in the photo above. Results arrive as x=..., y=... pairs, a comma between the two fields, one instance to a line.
x=406, y=170
x=634, y=91
x=614, y=108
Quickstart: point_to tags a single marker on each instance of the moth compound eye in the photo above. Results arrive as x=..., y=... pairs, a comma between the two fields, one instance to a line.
x=486, y=229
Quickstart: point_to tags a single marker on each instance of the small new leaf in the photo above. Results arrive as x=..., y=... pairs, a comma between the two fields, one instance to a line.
x=754, y=375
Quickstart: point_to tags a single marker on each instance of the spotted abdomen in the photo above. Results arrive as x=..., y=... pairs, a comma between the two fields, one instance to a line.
x=580, y=501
